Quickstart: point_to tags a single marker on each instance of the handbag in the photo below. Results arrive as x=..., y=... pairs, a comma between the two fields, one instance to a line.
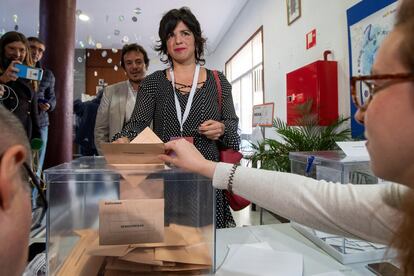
x=231, y=156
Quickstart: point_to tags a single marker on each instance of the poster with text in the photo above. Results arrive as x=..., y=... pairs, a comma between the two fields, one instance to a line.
x=369, y=22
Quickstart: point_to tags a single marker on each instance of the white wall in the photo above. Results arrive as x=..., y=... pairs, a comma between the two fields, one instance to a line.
x=285, y=46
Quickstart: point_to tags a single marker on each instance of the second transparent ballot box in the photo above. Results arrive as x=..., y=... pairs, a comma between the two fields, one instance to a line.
x=146, y=219
x=336, y=167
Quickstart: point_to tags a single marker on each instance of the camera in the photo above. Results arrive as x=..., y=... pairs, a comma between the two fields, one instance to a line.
x=27, y=72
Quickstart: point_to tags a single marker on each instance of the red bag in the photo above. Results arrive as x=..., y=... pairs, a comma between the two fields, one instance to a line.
x=236, y=202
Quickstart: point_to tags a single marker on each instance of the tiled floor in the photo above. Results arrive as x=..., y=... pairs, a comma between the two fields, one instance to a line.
x=249, y=217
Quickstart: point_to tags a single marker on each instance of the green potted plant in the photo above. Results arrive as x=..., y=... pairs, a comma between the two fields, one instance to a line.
x=307, y=136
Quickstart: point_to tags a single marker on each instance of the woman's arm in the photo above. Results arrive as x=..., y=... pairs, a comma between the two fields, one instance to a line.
x=350, y=210
x=48, y=87
x=344, y=209
x=102, y=120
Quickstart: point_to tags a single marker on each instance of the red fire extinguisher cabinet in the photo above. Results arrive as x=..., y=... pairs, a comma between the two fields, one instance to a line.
x=317, y=81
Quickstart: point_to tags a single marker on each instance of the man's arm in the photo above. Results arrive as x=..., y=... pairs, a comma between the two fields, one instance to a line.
x=102, y=121
x=49, y=91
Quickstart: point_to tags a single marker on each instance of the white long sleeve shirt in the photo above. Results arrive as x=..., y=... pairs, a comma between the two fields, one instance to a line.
x=360, y=211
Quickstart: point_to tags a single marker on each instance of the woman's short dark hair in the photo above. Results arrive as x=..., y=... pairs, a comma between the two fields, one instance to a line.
x=167, y=25
x=137, y=48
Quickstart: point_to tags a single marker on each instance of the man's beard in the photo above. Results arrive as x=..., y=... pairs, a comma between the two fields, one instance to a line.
x=136, y=80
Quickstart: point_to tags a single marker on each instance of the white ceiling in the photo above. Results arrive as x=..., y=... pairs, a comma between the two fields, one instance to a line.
x=111, y=20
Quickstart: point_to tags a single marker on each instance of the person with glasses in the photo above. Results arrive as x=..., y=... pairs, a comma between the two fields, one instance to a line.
x=15, y=207
x=382, y=213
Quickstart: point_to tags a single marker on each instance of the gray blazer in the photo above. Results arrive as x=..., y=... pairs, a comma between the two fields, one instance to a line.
x=111, y=113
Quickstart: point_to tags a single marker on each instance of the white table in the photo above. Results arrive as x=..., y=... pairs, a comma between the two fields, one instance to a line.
x=283, y=237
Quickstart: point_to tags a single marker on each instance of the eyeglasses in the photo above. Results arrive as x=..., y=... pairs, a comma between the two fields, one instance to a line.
x=363, y=88
x=38, y=211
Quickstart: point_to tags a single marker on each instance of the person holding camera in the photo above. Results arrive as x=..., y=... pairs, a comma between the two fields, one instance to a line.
x=20, y=98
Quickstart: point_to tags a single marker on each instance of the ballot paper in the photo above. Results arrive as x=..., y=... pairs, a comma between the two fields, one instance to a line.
x=131, y=221
x=354, y=148
x=147, y=136
x=136, y=188
x=171, y=238
x=188, y=245
x=260, y=259
x=144, y=149
x=78, y=262
x=191, y=254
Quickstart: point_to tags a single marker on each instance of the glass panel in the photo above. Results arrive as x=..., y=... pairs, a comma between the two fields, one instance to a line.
x=247, y=69
x=228, y=71
x=242, y=62
x=258, y=85
x=257, y=49
x=247, y=104
x=236, y=97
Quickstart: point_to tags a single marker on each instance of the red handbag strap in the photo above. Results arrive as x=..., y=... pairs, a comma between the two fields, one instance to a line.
x=218, y=83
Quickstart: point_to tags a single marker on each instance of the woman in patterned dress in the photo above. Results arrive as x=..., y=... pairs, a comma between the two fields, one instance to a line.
x=182, y=101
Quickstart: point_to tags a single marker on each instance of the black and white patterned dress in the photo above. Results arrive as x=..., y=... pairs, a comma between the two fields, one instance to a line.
x=155, y=103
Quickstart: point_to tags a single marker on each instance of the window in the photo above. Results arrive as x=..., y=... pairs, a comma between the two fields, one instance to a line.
x=244, y=70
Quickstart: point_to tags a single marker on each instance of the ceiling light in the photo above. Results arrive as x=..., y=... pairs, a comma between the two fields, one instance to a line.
x=137, y=11
x=83, y=17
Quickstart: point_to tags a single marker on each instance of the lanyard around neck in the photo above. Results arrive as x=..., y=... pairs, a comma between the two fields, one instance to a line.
x=182, y=118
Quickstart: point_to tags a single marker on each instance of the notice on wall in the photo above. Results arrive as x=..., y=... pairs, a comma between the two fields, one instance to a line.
x=263, y=114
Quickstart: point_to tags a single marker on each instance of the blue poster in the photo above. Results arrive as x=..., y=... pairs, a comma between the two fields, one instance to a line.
x=369, y=22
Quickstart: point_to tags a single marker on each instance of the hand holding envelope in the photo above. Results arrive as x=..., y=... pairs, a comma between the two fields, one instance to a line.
x=144, y=149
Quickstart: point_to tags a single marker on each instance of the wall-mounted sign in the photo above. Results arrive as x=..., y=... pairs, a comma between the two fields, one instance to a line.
x=263, y=114
x=311, y=39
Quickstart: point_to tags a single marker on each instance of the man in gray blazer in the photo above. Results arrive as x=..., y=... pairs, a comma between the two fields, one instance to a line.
x=118, y=100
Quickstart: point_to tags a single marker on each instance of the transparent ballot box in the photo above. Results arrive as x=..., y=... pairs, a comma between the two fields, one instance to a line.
x=332, y=166
x=145, y=219
x=335, y=166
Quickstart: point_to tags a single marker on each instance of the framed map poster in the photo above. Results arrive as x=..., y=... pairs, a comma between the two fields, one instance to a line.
x=368, y=23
